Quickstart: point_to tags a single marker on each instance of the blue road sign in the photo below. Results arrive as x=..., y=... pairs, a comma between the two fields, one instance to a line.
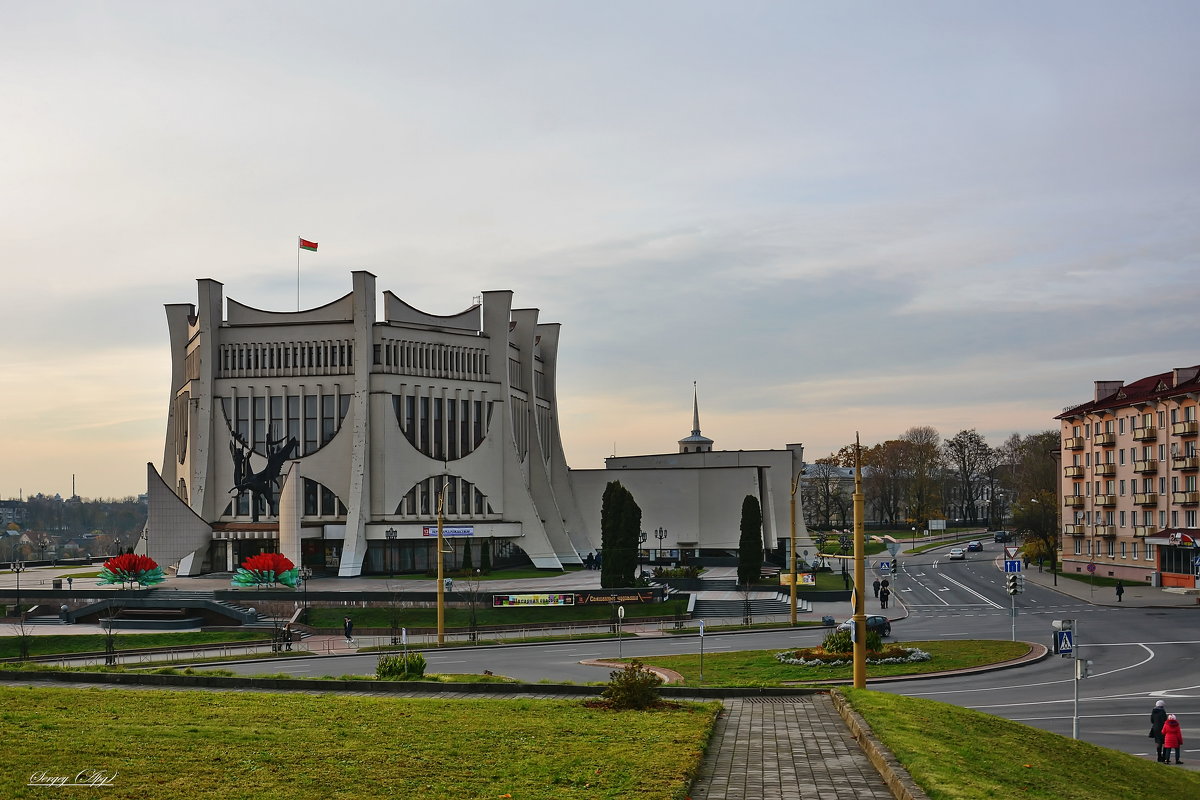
x=1012, y=565
x=1065, y=643
x=885, y=566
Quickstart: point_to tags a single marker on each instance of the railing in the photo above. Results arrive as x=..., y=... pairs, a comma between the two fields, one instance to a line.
x=1143, y=531
x=1073, y=500
x=1189, y=427
x=1144, y=433
x=1104, y=439
x=1147, y=499
x=1107, y=531
x=1106, y=469
x=1145, y=466
x=1185, y=462
x=1074, y=530
x=1073, y=443
x=1073, y=472
x=1185, y=498
x=1106, y=499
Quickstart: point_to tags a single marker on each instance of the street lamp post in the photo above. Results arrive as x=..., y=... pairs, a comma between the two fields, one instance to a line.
x=18, y=567
x=441, y=559
x=641, y=541
x=660, y=534
x=305, y=574
x=391, y=535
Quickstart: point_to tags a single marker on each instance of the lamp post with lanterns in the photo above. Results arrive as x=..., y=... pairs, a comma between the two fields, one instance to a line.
x=660, y=534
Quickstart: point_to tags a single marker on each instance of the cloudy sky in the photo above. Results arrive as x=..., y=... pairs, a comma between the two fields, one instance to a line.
x=836, y=217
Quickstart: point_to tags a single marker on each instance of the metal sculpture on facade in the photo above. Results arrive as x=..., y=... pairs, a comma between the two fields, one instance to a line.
x=264, y=484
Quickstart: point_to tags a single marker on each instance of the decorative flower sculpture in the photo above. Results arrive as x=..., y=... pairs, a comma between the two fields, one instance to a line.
x=265, y=569
x=130, y=568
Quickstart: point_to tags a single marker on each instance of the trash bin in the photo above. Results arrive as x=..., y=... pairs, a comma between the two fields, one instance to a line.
x=57, y=583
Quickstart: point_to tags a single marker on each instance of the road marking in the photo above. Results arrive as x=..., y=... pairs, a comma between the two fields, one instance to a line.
x=966, y=588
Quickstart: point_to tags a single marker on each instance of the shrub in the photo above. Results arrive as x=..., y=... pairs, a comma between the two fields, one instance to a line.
x=839, y=642
x=404, y=667
x=634, y=687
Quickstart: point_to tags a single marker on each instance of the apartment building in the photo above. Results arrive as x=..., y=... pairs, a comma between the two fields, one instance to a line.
x=1130, y=470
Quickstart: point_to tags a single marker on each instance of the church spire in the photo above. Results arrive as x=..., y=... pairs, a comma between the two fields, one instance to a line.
x=697, y=442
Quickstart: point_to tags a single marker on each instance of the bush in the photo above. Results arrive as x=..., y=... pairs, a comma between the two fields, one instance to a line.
x=634, y=687
x=839, y=642
x=405, y=667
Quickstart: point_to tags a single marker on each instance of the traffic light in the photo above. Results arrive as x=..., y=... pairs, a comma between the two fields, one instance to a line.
x=1010, y=583
x=1083, y=668
x=1020, y=583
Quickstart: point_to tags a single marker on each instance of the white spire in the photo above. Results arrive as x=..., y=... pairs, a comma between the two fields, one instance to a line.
x=695, y=410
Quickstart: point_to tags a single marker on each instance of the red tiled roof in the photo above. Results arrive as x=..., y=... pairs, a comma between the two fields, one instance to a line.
x=1152, y=387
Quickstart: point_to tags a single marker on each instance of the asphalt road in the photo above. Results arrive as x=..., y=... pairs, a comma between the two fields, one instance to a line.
x=1139, y=655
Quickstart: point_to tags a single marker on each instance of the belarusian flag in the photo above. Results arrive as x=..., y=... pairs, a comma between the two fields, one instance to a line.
x=305, y=244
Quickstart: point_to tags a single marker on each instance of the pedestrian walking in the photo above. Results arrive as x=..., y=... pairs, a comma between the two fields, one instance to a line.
x=590, y=561
x=884, y=594
x=70, y=583
x=1120, y=591
x=875, y=586
x=1172, y=739
x=1157, y=718
x=348, y=627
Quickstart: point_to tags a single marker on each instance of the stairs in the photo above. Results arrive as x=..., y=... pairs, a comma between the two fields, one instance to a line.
x=778, y=605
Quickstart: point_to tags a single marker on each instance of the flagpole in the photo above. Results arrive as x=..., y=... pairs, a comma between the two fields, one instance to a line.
x=297, y=273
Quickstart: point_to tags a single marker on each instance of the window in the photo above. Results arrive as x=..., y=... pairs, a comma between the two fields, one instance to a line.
x=1162, y=520
x=1122, y=425
x=1122, y=519
x=1078, y=546
x=1122, y=550
x=1136, y=547
x=1110, y=548
x=1189, y=519
x=1122, y=488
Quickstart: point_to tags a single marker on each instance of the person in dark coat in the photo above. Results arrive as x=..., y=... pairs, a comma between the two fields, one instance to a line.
x=348, y=627
x=875, y=586
x=1172, y=739
x=884, y=594
x=1157, y=717
x=1120, y=590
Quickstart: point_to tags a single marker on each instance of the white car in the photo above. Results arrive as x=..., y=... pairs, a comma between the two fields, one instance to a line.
x=958, y=554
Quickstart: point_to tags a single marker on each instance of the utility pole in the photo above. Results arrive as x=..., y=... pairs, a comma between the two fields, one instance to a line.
x=860, y=618
x=795, y=485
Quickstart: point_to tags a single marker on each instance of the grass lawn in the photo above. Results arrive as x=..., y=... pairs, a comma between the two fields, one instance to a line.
x=958, y=754
x=170, y=745
x=459, y=617
x=760, y=668
x=94, y=642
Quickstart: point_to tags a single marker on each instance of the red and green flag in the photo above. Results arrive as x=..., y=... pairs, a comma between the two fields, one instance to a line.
x=305, y=244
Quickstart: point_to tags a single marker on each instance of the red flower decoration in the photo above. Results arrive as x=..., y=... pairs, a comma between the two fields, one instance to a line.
x=130, y=563
x=268, y=562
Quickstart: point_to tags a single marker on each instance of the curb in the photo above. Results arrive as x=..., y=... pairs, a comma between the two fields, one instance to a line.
x=894, y=775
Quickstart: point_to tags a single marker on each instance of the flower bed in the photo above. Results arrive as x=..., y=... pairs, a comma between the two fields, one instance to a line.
x=819, y=657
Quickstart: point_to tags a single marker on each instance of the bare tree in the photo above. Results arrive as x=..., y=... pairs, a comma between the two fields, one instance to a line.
x=970, y=459
x=921, y=458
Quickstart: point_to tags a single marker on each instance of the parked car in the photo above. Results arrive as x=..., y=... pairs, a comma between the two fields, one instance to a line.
x=880, y=625
x=1002, y=536
x=958, y=554
x=974, y=547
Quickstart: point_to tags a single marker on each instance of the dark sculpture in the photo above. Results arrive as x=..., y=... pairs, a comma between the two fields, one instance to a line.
x=263, y=484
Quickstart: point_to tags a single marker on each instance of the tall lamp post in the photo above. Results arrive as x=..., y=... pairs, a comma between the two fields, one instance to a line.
x=305, y=574
x=660, y=534
x=441, y=580
x=795, y=485
x=641, y=541
x=18, y=567
x=391, y=535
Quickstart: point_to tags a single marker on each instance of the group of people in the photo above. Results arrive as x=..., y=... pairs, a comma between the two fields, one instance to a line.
x=592, y=561
x=883, y=591
x=1166, y=733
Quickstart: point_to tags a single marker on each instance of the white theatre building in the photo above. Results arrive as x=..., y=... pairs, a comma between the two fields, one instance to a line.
x=352, y=427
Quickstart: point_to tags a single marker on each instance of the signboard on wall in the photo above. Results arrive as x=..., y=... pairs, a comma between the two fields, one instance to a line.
x=510, y=600
x=449, y=530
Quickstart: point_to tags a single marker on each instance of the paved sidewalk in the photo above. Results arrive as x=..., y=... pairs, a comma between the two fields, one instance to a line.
x=1135, y=596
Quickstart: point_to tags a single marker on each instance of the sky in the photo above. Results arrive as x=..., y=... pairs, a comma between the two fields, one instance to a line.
x=833, y=217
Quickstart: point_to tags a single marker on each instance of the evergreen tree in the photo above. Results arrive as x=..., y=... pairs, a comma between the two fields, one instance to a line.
x=485, y=556
x=467, y=563
x=620, y=522
x=750, y=546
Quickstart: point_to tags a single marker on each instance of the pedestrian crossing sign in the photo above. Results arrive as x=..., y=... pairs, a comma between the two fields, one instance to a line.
x=1064, y=642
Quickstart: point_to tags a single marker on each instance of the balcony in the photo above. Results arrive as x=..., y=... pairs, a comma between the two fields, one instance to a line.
x=1185, y=462
x=1107, y=531
x=1074, y=530
x=1104, y=439
x=1073, y=501
x=1106, y=499
x=1142, y=531
x=1073, y=443
x=1185, y=498
x=1106, y=469
x=1189, y=427
x=1146, y=433
x=1145, y=466
x=1149, y=499
x=1073, y=472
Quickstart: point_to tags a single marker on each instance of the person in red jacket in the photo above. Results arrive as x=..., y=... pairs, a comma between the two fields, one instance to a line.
x=1172, y=739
